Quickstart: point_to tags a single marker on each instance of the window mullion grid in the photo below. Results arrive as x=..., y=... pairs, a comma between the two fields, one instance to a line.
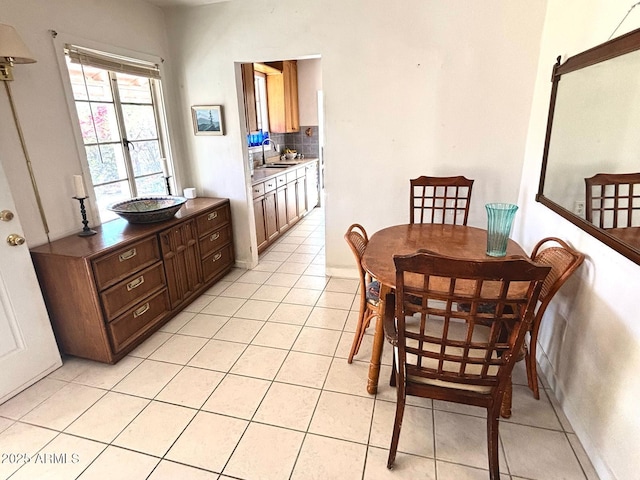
x=128, y=164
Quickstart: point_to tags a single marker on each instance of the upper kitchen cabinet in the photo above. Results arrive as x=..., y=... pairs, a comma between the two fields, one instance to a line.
x=248, y=87
x=282, y=96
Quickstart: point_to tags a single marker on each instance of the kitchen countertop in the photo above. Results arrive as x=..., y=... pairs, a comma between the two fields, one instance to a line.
x=261, y=173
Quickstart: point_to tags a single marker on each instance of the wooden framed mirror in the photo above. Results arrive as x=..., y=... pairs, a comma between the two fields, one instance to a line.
x=594, y=128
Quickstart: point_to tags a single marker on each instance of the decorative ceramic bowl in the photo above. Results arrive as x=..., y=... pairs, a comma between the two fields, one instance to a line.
x=148, y=209
x=290, y=156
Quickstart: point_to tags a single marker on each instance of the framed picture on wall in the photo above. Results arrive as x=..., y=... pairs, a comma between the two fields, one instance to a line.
x=207, y=119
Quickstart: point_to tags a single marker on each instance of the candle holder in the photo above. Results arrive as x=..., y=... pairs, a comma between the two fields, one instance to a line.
x=86, y=231
x=166, y=179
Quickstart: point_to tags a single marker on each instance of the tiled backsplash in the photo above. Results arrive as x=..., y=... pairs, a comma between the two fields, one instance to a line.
x=305, y=141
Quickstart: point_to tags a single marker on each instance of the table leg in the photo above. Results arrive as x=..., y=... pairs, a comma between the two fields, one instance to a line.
x=378, y=343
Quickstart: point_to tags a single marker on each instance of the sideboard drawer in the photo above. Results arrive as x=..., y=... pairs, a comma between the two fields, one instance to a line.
x=135, y=322
x=208, y=222
x=258, y=190
x=215, y=240
x=127, y=293
x=217, y=262
x=111, y=269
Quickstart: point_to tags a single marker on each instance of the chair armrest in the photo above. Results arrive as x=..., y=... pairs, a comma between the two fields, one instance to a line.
x=389, y=319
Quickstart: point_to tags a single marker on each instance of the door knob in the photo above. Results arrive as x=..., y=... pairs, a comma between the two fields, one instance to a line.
x=14, y=240
x=6, y=215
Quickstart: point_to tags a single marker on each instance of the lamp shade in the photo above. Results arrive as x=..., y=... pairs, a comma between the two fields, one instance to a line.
x=12, y=46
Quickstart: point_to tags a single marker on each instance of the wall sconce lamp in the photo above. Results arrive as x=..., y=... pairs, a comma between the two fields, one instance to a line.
x=14, y=51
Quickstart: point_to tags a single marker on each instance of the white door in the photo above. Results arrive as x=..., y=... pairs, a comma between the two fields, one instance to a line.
x=28, y=350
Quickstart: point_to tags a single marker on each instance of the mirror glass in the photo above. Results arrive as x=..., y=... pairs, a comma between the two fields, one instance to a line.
x=594, y=127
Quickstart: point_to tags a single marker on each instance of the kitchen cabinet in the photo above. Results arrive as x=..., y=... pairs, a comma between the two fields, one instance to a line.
x=107, y=293
x=282, y=97
x=275, y=214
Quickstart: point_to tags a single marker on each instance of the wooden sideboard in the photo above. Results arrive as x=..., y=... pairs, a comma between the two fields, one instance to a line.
x=108, y=292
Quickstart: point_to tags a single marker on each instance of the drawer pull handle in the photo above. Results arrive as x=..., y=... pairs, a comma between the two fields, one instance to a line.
x=135, y=283
x=127, y=255
x=214, y=237
x=212, y=216
x=141, y=311
x=217, y=257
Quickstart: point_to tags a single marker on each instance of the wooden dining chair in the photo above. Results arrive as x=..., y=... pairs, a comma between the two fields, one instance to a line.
x=442, y=200
x=563, y=261
x=357, y=239
x=448, y=354
x=613, y=200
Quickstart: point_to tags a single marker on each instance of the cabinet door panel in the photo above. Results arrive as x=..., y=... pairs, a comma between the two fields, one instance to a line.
x=181, y=261
x=292, y=202
x=261, y=229
x=301, y=195
x=271, y=220
x=281, y=205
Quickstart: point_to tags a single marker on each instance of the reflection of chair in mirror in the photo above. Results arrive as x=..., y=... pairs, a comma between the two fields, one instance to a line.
x=613, y=200
x=442, y=200
x=453, y=355
x=357, y=239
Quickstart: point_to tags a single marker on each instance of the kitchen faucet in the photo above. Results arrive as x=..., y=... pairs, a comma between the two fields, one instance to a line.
x=266, y=140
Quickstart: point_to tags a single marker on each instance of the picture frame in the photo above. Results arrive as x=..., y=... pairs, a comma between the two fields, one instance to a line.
x=207, y=119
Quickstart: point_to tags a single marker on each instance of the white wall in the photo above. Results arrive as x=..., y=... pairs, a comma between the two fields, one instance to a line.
x=42, y=106
x=590, y=337
x=433, y=88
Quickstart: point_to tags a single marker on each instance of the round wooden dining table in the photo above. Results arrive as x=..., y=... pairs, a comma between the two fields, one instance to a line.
x=458, y=241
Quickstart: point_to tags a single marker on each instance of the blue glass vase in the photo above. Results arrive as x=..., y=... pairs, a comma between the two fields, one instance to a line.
x=499, y=222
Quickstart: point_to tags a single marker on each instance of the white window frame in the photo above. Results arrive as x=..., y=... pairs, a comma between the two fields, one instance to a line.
x=60, y=41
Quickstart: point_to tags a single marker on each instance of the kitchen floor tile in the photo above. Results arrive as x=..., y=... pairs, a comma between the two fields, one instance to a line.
x=405, y=467
x=335, y=300
x=28, y=399
x=317, y=340
x=151, y=344
x=237, y=396
x=155, y=429
x=254, y=276
x=265, y=452
x=292, y=268
x=323, y=458
x=348, y=378
x=240, y=290
x=304, y=369
x=239, y=330
x=70, y=369
x=280, y=279
x=208, y=441
x=277, y=335
x=312, y=282
x=256, y=310
x=203, y=325
x=288, y=406
x=259, y=362
x=64, y=406
x=270, y=293
x=121, y=464
x=224, y=306
x=302, y=296
x=267, y=266
x=317, y=270
x=148, y=379
x=331, y=318
x=289, y=313
x=199, y=303
x=21, y=438
x=178, y=349
x=190, y=387
x=177, y=322
x=346, y=417
x=106, y=419
x=343, y=285
x=167, y=470
x=218, y=355
x=452, y=471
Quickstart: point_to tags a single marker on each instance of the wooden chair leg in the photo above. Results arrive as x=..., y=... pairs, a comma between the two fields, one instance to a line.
x=531, y=364
x=492, y=445
x=397, y=425
x=363, y=323
x=505, y=407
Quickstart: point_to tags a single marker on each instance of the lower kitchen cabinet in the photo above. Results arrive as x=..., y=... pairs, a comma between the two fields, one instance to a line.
x=107, y=293
x=282, y=199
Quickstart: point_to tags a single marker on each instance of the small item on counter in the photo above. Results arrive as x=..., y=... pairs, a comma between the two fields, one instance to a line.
x=190, y=192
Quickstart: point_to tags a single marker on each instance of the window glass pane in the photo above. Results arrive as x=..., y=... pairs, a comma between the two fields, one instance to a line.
x=151, y=185
x=106, y=163
x=86, y=123
x=140, y=122
x=97, y=86
x=145, y=157
x=108, y=194
x=134, y=89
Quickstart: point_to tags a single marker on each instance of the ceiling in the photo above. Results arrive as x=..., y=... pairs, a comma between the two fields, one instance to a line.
x=183, y=3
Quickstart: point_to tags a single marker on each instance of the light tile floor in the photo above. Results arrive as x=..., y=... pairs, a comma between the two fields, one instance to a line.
x=251, y=382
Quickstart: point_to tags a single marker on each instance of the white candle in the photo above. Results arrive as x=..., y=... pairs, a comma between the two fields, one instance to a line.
x=165, y=167
x=79, y=186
